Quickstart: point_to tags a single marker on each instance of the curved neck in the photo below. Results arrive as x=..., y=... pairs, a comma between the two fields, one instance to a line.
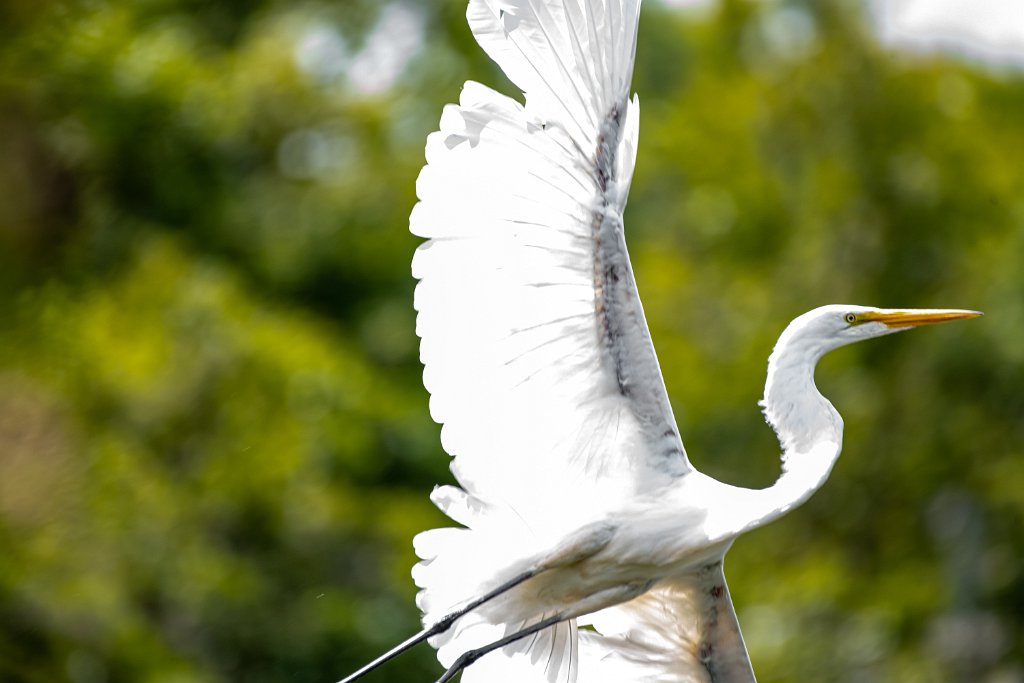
x=809, y=429
x=803, y=419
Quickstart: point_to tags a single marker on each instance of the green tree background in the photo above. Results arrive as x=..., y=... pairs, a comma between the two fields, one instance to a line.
x=214, y=444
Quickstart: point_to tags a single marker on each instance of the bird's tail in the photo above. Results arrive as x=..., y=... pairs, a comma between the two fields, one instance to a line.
x=460, y=565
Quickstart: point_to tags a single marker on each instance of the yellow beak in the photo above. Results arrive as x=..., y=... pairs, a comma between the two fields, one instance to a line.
x=920, y=316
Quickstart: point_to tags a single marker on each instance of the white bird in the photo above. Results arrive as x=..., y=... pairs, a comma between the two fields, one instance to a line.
x=577, y=501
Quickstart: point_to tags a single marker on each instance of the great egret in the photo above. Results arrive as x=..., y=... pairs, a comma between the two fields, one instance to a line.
x=577, y=499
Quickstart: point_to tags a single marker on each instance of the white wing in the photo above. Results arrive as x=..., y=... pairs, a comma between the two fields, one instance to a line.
x=536, y=352
x=684, y=630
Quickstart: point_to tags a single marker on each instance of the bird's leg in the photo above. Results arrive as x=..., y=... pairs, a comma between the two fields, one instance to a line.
x=583, y=544
x=471, y=656
x=391, y=654
x=438, y=627
x=592, y=603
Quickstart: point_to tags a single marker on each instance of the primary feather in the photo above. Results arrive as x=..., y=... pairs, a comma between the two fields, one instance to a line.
x=536, y=353
x=535, y=347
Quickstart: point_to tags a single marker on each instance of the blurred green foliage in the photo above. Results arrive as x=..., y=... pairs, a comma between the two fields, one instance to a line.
x=214, y=446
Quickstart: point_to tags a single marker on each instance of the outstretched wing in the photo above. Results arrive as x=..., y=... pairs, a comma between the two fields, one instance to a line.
x=536, y=352
x=684, y=630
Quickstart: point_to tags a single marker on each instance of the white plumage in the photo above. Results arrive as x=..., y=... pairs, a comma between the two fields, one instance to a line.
x=517, y=372
x=576, y=501
x=509, y=198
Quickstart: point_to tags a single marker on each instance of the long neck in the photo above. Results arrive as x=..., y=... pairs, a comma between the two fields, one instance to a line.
x=809, y=429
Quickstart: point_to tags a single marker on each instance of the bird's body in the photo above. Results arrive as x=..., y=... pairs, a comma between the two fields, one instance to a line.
x=576, y=499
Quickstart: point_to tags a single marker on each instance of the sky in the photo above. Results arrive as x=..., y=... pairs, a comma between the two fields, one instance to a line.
x=987, y=31
x=990, y=31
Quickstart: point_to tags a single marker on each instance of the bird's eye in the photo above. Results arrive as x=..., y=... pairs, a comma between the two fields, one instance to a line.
x=850, y=318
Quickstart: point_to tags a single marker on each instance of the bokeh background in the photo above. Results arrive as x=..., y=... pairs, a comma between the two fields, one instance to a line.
x=214, y=443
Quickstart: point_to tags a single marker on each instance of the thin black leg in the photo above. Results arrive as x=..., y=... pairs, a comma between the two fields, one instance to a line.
x=439, y=627
x=469, y=657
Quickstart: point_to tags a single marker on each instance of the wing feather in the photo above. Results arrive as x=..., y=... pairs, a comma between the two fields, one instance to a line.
x=535, y=349
x=682, y=631
x=536, y=354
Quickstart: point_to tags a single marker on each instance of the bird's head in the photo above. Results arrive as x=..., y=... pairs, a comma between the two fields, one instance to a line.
x=829, y=327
